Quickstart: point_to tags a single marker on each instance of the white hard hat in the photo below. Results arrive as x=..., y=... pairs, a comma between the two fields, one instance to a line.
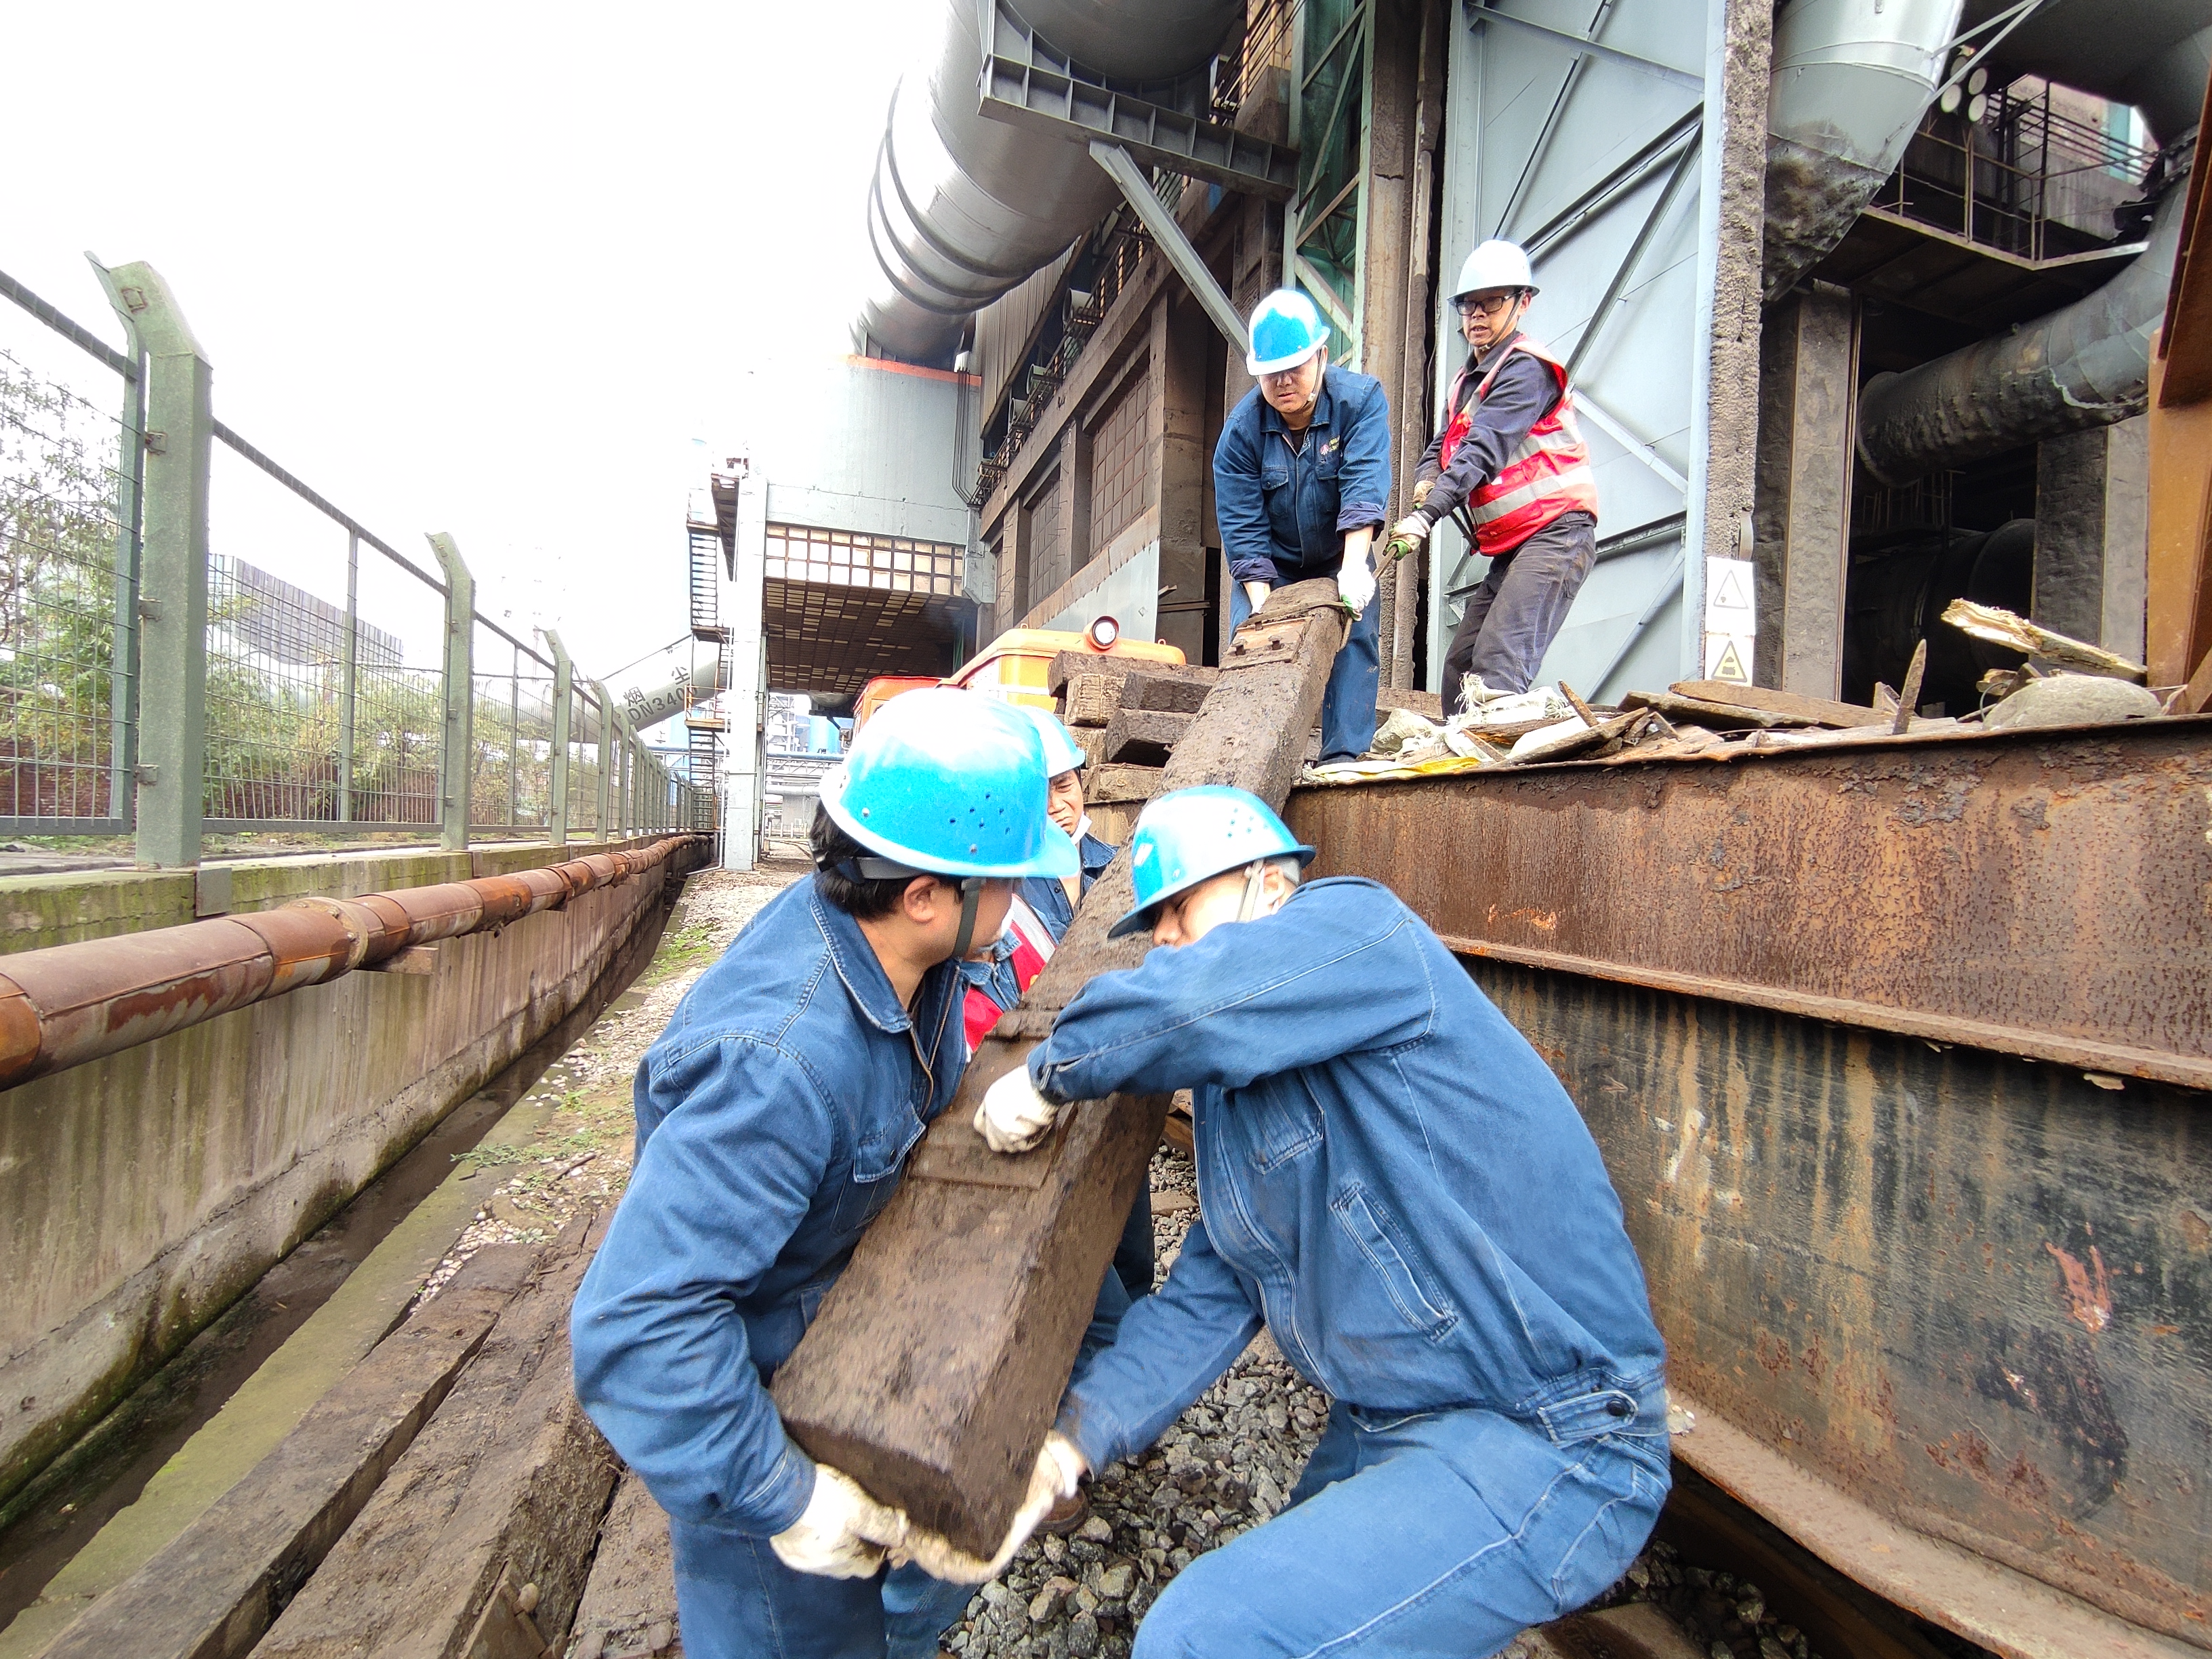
x=1494, y=264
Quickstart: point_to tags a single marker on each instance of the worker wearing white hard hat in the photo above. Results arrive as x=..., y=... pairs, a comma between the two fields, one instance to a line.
x=1511, y=465
x=1300, y=484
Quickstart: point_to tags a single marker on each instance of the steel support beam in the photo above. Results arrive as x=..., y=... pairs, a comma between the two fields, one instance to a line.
x=1122, y=169
x=172, y=602
x=129, y=486
x=1478, y=12
x=457, y=747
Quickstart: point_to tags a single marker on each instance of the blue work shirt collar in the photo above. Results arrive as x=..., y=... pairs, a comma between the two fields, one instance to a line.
x=855, y=959
x=1271, y=419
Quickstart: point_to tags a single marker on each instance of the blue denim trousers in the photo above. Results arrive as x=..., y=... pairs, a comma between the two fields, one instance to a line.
x=735, y=1599
x=1348, y=711
x=1445, y=1534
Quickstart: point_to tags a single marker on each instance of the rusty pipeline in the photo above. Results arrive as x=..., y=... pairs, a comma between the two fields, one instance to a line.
x=67, y=1004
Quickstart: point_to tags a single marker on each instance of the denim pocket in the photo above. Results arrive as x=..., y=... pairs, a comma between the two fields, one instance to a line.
x=1284, y=1119
x=1623, y=1498
x=1427, y=1313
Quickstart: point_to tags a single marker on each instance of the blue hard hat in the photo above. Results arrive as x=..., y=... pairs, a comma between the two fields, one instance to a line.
x=950, y=783
x=1184, y=837
x=1286, y=330
x=1062, y=751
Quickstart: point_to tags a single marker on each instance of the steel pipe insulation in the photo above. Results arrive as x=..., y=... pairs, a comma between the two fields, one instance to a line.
x=962, y=208
x=1851, y=79
x=2085, y=364
x=67, y=1004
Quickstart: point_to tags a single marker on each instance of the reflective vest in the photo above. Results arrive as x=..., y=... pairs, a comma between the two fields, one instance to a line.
x=1033, y=947
x=1547, y=475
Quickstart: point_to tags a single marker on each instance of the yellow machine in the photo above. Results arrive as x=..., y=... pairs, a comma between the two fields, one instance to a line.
x=1017, y=665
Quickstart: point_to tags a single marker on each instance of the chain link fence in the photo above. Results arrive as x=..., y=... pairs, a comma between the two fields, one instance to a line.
x=316, y=695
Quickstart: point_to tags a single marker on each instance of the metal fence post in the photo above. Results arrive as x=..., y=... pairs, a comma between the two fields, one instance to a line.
x=456, y=753
x=564, y=694
x=173, y=601
x=349, y=677
x=600, y=819
x=130, y=490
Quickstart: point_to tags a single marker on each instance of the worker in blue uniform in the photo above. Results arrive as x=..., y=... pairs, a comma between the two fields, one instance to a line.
x=1393, y=1181
x=1301, y=477
x=774, y=1115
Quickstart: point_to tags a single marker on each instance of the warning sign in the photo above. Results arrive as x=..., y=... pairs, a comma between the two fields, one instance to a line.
x=1729, y=605
x=1728, y=656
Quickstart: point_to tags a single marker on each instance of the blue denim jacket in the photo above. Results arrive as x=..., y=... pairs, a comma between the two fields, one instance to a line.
x=1283, y=509
x=1389, y=1176
x=773, y=1117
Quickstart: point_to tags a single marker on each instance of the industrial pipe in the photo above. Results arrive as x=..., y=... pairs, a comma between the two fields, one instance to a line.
x=67, y=1004
x=2084, y=365
x=2087, y=364
x=962, y=208
x=1852, y=79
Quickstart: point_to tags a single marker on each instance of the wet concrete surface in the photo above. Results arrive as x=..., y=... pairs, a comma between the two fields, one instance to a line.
x=45, y=1524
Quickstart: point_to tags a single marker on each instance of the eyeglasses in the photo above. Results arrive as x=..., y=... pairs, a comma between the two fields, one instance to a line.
x=1494, y=306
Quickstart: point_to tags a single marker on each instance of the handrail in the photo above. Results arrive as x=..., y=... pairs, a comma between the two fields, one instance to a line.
x=66, y=1004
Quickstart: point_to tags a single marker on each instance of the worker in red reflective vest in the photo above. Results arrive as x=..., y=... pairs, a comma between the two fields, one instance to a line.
x=1511, y=454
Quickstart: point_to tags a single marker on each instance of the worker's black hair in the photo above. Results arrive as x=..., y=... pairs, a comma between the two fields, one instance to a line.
x=839, y=881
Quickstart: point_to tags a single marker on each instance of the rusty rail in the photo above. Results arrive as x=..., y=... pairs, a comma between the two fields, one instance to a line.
x=68, y=1004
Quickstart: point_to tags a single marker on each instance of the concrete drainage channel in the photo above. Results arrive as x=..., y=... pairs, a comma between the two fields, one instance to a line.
x=95, y=1517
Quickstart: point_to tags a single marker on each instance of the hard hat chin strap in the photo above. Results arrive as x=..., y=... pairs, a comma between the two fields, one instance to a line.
x=971, y=894
x=1256, y=882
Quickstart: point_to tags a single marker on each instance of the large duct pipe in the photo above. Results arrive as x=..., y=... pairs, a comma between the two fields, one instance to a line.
x=962, y=208
x=2087, y=364
x=1851, y=79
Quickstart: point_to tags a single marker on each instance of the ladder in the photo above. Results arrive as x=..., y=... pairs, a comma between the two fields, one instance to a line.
x=706, y=590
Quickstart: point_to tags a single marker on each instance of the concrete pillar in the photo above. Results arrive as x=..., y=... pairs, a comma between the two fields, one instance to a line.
x=1175, y=442
x=2092, y=510
x=747, y=698
x=1801, y=519
x=172, y=602
x=457, y=758
x=564, y=699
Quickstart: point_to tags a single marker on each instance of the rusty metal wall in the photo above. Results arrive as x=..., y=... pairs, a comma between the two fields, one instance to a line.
x=1866, y=1037
x=2038, y=893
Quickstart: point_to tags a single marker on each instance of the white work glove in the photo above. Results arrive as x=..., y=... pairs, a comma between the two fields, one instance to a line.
x=1355, y=582
x=1013, y=1116
x=841, y=1532
x=1059, y=1467
x=1255, y=595
x=1413, y=527
x=1421, y=490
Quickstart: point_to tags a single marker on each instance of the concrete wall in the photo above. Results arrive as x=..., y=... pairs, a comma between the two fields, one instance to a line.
x=142, y=1193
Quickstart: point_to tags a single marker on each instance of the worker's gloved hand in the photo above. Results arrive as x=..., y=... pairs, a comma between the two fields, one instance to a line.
x=1421, y=490
x=1013, y=1116
x=1255, y=594
x=1058, y=1467
x=841, y=1532
x=1413, y=527
x=1355, y=582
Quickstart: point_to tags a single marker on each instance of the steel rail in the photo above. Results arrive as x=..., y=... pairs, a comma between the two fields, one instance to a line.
x=66, y=1004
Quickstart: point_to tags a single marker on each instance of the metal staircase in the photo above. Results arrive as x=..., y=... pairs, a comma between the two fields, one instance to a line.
x=704, y=718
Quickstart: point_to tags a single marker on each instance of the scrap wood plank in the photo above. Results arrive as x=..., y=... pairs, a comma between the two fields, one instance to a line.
x=506, y=1485
x=630, y=1601
x=1718, y=716
x=212, y=1591
x=1169, y=693
x=1089, y=699
x=1430, y=705
x=1143, y=737
x=1068, y=664
x=1814, y=711
x=1108, y=786
x=938, y=1360
x=1091, y=741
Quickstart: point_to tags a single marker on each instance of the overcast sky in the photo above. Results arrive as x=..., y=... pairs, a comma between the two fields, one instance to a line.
x=512, y=271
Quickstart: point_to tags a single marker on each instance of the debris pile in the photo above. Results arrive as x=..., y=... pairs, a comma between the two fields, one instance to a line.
x=2063, y=682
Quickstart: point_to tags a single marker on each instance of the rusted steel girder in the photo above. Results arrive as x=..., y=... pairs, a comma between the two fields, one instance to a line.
x=68, y=1004
x=2039, y=893
x=1946, y=1312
